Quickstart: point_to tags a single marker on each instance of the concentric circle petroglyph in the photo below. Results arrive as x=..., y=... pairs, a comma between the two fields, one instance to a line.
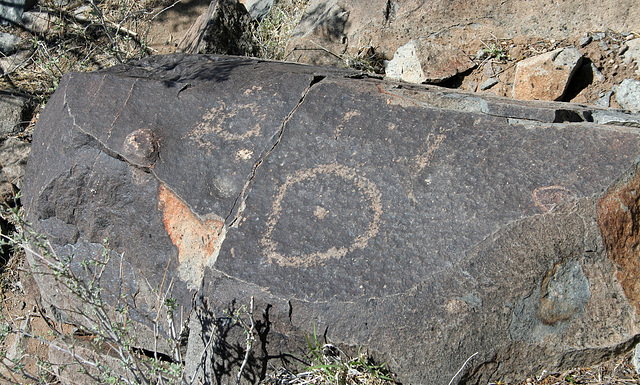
x=362, y=187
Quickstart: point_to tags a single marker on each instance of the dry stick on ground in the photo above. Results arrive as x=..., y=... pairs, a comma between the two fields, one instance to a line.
x=250, y=340
x=462, y=367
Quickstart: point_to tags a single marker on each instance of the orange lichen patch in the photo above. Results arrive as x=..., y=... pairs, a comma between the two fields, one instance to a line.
x=618, y=216
x=198, y=241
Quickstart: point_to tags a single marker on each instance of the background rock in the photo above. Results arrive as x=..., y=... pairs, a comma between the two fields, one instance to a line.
x=15, y=110
x=546, y=76
x=628, y=95
x=418, y=223
x=8, y=43
x=13, y=155
x=418, y=62
x=225, y=28
x=258, y=8
x=633, y=53
x=11, y=11
x=386, y=24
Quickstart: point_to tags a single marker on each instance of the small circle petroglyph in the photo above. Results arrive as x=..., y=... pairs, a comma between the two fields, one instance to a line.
x=368, y=190
x=222, y=121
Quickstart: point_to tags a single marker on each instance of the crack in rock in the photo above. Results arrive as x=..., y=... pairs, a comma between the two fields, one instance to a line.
x=239, y=204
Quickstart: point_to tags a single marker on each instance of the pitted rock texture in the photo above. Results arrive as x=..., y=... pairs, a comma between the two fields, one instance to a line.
x=421, y=224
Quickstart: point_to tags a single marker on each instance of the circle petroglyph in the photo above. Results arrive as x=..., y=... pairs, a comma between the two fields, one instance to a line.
x=329, y=210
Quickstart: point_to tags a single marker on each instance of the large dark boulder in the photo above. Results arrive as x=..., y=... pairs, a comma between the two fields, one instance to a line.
x=418, y=223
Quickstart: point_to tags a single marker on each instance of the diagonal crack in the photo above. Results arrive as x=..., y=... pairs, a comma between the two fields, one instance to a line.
x=239, y=204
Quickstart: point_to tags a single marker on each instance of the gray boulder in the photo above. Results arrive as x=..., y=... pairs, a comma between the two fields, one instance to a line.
x=420, y=224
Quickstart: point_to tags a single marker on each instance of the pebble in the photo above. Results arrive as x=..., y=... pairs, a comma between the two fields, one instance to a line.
x=471, y=86
x=488, y=83
x=604, y=100
x=597, y=75
x=584, y=41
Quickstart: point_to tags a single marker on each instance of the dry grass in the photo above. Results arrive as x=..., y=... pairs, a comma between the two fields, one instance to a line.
x=274, y=31
x=619, y=371
x=78, y=36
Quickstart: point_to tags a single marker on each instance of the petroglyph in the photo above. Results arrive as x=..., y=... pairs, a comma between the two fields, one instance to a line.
x=198, y=240
x=347, y=117
x=365, y=188
x=219, y=124
x=548, y=197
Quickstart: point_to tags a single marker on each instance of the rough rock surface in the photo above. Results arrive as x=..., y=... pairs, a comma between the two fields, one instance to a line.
x=225, y=28
x=418, y=62
x=418, y=223
x=546, y=76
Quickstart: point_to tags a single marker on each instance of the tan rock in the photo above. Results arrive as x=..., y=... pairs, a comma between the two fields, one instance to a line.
x=546, y=76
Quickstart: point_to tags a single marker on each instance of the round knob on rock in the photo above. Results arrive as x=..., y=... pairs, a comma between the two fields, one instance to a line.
x=141, y=148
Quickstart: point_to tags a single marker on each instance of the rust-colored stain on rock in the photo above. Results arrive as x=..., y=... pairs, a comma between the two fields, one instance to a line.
x=618, y=216
x=198, y=240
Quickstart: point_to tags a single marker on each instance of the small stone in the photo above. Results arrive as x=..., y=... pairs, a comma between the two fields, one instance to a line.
x=9, y=43
x=628, y=95
x=38, y=21
x=14, y=111
x=597, y=75
x=471, y=86
x=488, y=83
x=604, y=100
x=584, y=41
x=604, y=46
x=598, y=36
x=487, y=70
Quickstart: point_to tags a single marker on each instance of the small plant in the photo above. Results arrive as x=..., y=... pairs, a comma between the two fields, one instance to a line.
x=328, y=365
x=495, y=51
x=112, y=355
